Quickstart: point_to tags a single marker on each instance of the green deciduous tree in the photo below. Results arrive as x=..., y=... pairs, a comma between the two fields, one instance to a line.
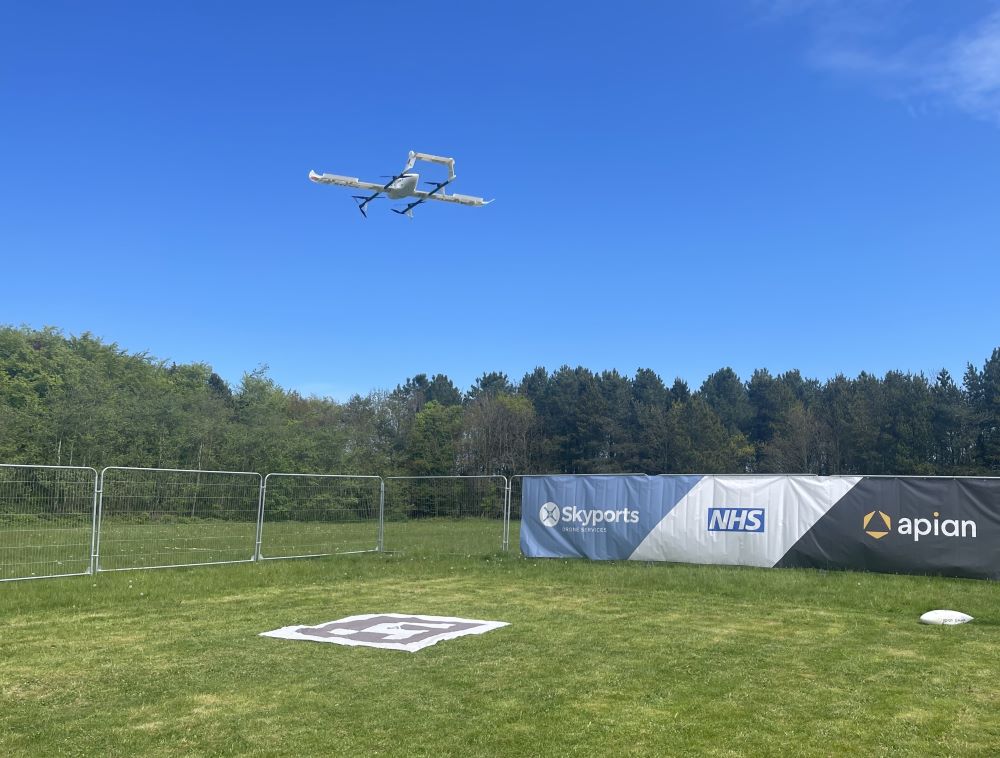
x=79, y=400
x=434, y=441
x=497, y=433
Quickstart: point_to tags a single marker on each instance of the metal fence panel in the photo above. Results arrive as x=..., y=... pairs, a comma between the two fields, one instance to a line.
x=307, y=515
x=46, y=520
x=154, y=518
x=464, y=515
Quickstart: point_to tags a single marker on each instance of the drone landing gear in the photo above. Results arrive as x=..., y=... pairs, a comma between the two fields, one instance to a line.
x=365, y=199
x=438, y=186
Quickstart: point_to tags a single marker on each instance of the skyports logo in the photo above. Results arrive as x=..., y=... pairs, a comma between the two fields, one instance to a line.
x=551, y=515
x=736, y=519
x=878, y=524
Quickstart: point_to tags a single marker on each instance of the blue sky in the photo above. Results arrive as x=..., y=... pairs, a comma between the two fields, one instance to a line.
x=680, y=186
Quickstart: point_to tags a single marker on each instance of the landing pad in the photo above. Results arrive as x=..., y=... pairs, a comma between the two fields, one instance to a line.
x=390, y=631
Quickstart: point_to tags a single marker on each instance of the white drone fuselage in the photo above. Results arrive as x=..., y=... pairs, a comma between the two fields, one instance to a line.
x=403, y=186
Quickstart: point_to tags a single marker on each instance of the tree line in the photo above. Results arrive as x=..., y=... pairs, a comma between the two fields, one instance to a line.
x=76, y=400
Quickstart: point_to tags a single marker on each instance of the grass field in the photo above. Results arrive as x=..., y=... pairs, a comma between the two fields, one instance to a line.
x=600, y=659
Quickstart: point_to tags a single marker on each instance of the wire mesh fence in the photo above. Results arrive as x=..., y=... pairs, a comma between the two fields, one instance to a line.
x=445, y=514
x=153, y=518
x=307, y=515
x=46, y=520
x=66, y=520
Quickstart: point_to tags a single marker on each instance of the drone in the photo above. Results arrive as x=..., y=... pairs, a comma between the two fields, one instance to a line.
x=403, y=184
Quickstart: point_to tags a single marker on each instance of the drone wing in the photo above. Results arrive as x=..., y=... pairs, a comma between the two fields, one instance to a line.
x=453, y=198
x=437, y=194
x=345, y=181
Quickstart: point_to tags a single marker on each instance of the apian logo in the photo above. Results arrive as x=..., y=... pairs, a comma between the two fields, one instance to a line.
x=549, y=514
x=736, y=519
x=877, y=524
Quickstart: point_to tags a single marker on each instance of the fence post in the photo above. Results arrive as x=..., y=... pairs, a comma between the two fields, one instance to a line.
x=260, y=517
x=381, y=516
x=100, y=520
x=506, y=515
x=92, y=568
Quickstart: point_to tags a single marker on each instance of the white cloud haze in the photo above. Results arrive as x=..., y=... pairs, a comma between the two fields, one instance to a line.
x=959, y=69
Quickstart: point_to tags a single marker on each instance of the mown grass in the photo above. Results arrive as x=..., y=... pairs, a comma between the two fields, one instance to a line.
x=600, y=659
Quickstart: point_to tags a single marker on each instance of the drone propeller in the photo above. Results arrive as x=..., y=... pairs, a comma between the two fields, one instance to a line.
x=363, y=200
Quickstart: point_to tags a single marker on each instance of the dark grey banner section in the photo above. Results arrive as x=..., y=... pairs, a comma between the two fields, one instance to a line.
x=908, y=525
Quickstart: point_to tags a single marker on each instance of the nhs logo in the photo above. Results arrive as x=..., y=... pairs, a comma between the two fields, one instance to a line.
x=736, y=519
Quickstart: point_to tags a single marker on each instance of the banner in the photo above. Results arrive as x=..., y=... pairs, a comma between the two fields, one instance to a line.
x=918, y=525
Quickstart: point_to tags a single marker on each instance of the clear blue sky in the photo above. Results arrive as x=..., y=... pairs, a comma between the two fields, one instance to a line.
x=679, y=186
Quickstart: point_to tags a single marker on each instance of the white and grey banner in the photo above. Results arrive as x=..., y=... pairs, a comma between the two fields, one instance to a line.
x=923, y=525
